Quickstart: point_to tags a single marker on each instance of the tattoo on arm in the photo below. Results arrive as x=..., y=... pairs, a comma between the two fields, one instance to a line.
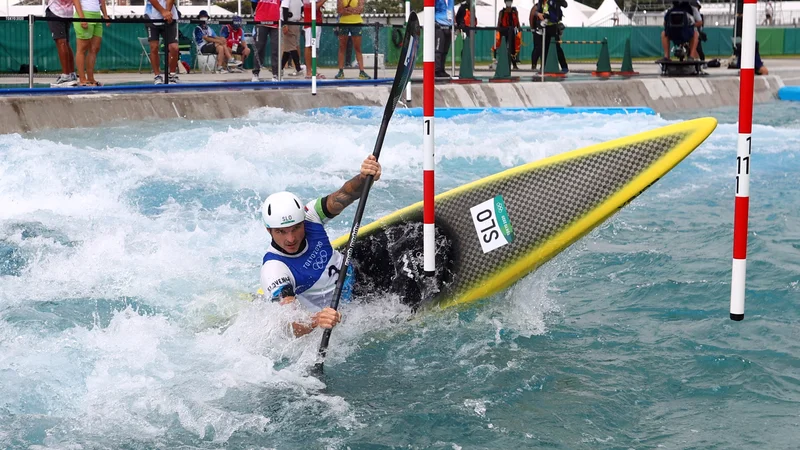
x=346, y=195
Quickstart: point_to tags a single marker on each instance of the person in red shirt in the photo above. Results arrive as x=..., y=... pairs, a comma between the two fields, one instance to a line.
x=508, y=24
x=267, y=12
x=234, y=39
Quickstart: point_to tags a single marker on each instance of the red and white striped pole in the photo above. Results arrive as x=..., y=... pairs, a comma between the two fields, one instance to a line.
x=747, y=58
x=428, y=73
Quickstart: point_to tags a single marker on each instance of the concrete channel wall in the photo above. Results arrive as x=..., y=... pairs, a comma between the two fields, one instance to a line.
x=33, y=113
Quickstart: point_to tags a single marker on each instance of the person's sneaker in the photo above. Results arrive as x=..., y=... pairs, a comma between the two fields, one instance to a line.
x=274, y=79
x=234, y=62
x=340, y=75
x=255, y=78
x=173, y=78
x=363, y=76
x=234, y=69
x=442, y=74
x=64, y=80
x=221, y=70
x=158, y=79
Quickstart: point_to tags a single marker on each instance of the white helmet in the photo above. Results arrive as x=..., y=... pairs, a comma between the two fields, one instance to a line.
x=282, y=209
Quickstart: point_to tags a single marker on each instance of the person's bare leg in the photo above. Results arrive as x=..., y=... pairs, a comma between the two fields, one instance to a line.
x=80, y=59
x=693, y=45
x=65, y=56
x=665, y=44
x=357, y=49
x=342, y=47
x=91, y=58
x=155, y=59
x=308, y=61
x=173, y=57
x=221, y=61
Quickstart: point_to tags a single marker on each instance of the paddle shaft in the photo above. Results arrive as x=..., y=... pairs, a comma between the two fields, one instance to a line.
x=362, y=203
x=404, y=69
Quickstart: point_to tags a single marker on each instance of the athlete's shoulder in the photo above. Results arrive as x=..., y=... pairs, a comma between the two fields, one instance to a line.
x=317, y=211
x=275, y=276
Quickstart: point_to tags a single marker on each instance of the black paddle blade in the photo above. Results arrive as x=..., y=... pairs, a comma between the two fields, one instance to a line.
x=408, y=57
x=405, y=66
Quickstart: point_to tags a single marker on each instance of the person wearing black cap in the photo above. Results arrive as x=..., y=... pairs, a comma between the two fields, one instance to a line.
x=208, y=43
x=234, y=38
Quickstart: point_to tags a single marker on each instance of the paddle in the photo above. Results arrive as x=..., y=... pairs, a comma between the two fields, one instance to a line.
x=405, y=66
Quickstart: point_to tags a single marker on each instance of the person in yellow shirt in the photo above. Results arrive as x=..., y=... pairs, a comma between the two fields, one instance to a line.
x=350, y=21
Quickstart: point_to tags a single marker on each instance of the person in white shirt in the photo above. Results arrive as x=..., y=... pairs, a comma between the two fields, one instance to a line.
x=163, y=9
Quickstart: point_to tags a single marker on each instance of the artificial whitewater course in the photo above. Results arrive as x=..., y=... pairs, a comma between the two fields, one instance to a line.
x=128, y=256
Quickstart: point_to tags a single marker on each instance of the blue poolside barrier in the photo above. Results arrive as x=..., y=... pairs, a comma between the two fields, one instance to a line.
x=790, y=93
x=368, y=112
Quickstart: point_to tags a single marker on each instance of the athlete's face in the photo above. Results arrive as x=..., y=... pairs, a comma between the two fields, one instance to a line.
x=289, y=238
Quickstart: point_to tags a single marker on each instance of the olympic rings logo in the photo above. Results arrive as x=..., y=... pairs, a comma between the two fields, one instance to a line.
x=320, y=262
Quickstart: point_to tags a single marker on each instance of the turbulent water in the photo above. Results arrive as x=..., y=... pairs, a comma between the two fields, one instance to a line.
x=126, y=254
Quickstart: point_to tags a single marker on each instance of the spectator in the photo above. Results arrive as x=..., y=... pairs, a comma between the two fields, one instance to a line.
x=758, y=64
x=267, y=11
x=444, y=15
x=679, y=27
x=89, y=36
x=537, y=32
x=768, y=11
x=464, y=18
x=167, y=30
x=208, y=43
x=350, y=21
x=234, y=41
x=549, y=14
x=698, y=23
x=508, y=24
x=307, y=31
x=60, y=32
x=292, y=10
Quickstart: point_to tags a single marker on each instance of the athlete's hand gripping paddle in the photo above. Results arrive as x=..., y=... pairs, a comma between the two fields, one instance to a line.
x=405, y=67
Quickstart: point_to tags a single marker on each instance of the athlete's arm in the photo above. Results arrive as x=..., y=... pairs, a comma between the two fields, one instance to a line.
x=336, y=202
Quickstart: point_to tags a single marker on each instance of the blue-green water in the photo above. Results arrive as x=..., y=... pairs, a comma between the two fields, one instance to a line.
x=124, y=250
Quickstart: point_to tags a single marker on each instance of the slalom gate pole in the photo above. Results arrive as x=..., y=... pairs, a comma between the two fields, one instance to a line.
x=280, y=46
x=453, y=49
x=743, y=151
x=313, y=48
x=408, y=86
x=31, y=65
x=428, y=74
